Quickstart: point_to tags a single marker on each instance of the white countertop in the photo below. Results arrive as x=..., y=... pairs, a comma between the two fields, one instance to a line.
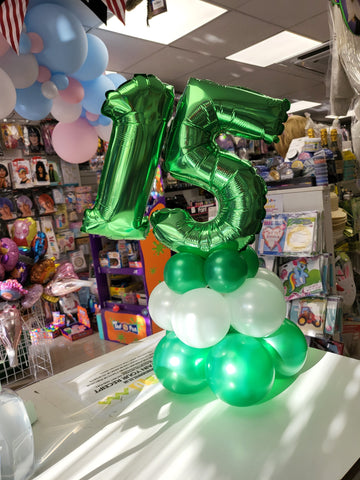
x=310, y=431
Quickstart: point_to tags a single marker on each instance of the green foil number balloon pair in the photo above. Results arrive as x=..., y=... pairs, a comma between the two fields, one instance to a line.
x=140, y=110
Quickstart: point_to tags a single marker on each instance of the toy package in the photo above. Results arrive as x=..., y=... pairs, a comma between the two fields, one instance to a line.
x=5, y=181
x=66, y=241
x=21, y=173
x=77, y=258
x=48, y=228
x=333, y=315
x=8, y=210
x=302, y=277
x=54, y=172
x=345, y=284
x=309, y=314
x=47, y=127
x=83, y=198
x=25, y=204
x=40, y=171
x=33, y=142
x=301, y=233
x=61, y=217
x=45, y=202
x=12, y=135
x=272, y=235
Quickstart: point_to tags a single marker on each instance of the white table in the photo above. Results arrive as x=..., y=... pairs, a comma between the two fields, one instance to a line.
x=310, y=431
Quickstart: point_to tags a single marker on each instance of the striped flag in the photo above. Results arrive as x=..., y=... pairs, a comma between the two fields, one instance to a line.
x=12, y=14
x=117, y=7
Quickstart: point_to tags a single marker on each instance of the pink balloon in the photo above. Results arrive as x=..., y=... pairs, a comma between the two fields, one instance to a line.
x=44, y=74
x=4, y=46
x=75, y=142
x=37, y=44
x=91, y=116
x=74, y=93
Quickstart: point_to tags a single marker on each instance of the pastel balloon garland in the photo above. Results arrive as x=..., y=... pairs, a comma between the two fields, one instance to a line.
x=225, y=318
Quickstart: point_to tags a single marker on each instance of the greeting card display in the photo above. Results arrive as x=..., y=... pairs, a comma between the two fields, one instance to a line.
x=309, y=314
x=33, y=142
x=40, y=171
x=5, y=181
x=21, y=173
x=272, y=235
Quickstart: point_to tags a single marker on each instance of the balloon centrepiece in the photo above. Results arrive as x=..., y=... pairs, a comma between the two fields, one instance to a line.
x=209, y=300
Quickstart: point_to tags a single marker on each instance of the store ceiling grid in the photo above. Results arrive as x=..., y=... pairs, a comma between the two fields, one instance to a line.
x=202, y=53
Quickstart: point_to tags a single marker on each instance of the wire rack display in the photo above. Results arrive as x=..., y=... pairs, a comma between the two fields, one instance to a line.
x=34, y=359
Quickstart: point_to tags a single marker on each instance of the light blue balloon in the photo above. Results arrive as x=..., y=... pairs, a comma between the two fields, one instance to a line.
x=65, y=41
x=31, y=103
x=94, y=123
x=96, y=61
x=104, y=120
x=60, y=80
x=95, y=93
x=117, y=79
x=24, y=44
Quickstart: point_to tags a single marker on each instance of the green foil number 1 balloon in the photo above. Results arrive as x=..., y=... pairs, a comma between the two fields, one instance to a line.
x=207, y=109
x=140, y=110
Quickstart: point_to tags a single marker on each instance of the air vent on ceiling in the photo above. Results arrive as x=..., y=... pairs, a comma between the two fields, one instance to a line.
x=316, y=60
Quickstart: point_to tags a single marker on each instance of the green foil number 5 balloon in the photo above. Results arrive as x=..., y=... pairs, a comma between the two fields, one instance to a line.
x=140, y=110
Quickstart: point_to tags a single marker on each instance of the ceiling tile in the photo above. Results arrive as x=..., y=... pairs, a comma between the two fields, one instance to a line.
x=170, y=63
x=233, y=4
x=315, y=27
x=284, y=12
x=227, y=34
x=124, y=50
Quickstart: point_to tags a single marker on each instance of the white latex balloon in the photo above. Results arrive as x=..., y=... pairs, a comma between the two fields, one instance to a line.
x=49, y=89
x=270, y=276
x=257, y=308
x=104, y=131
x=8, y=94
x=65, y=112
x=22, y=69
x=161, y=304
x=201, y=318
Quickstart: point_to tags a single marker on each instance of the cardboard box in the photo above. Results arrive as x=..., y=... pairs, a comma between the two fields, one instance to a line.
x=80, y=329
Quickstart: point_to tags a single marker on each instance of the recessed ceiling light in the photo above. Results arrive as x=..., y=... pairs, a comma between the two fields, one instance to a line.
x=182, y=17
x=275, y=49
x=302, y=105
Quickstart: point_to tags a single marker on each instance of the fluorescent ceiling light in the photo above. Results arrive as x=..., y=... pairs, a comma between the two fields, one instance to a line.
x=275, y=49
x=182, y=17
x=302, y=105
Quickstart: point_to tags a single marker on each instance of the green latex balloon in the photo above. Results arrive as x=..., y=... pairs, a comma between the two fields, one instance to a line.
x=140, y=110
x=184, y=272
x=239, y=370
x=287, y=347
x=225, y=270
x=252, y=260
x=180, y=368
x=205, y=110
